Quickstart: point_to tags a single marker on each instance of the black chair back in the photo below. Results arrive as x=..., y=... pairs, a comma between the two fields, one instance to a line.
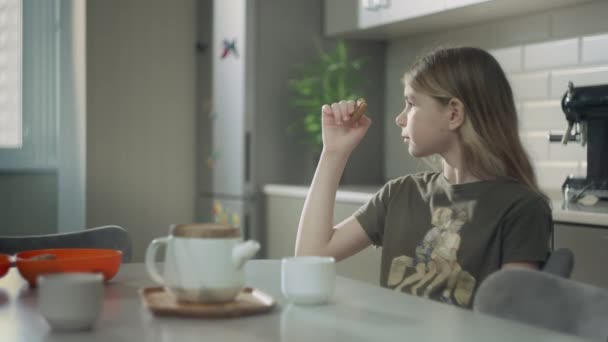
x=110, y=237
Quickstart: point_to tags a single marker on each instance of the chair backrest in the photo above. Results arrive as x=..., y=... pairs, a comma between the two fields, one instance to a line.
x=111, y=237
x=560, y=263
x=545, y=300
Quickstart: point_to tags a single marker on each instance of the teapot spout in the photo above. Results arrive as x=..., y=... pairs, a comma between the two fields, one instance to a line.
x=243, y=252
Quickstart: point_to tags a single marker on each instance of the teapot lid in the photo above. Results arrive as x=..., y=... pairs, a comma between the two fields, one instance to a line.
x=205, y=230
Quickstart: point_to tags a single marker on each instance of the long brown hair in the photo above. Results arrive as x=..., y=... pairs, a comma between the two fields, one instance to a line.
x=489, y=134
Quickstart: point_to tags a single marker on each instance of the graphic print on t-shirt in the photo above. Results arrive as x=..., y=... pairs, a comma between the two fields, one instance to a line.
x=435, y=271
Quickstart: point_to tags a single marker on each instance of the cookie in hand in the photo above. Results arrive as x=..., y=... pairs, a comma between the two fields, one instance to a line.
x=360, y=110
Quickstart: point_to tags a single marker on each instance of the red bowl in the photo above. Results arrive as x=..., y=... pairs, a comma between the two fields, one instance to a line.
x=106, y=261
x=5, y=264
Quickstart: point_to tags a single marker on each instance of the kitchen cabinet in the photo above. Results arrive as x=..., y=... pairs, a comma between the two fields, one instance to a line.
x=373, y=14
x=385, y=19
x=352, y=15
x=395, y=11
x=590, y=247
x=282, y=217
x=449, y=4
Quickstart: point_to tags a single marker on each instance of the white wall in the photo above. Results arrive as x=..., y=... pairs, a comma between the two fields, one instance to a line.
x=141, y=126
x=540, y=54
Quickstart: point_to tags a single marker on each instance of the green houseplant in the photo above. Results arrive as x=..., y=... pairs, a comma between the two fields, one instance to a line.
x=330, y=77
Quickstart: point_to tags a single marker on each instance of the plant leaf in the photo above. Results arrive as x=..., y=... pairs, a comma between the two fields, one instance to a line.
x=330, y=77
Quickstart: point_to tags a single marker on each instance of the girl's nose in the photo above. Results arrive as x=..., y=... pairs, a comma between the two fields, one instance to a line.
x=401, y=120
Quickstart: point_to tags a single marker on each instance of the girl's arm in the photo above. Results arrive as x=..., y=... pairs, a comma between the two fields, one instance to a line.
x=316, y=233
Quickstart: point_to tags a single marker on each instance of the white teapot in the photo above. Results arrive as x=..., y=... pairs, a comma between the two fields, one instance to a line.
x=203, y=262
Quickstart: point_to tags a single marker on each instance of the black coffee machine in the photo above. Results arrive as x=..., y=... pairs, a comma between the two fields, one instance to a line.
x=586, y=110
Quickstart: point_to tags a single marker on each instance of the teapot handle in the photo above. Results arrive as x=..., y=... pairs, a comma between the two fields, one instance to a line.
x=151, y=259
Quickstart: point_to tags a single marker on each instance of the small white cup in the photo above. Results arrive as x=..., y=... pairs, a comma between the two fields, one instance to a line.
x=308, y=279
x=70, y=301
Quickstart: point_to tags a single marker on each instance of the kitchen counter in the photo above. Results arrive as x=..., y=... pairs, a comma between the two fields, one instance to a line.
x=361, y=194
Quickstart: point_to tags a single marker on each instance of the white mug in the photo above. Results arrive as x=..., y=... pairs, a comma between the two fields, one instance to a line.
x=70, y=301
x=203, y=262
x=308, y=279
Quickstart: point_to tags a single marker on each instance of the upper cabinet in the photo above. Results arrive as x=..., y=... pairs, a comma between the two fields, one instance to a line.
x=381, y=12
x=385, y=19
x=460, y=3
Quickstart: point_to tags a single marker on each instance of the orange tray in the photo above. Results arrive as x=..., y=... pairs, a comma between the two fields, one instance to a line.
x=249, y=301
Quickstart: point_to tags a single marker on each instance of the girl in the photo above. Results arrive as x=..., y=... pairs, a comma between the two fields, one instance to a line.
x=443, y=232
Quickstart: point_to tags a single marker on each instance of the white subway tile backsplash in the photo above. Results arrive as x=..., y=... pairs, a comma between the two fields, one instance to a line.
x=552, y=54
x=530, y=86
x=582, y=19
x=521, y=30
x=580, y=77
x=551, y=174
x=474, y=36
x=510, y=59
x=595, y=49
x=536, y=144
x=543, y=115
x=583, y=169
x=571, y=152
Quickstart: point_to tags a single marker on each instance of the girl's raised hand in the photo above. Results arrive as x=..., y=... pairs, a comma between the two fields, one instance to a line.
x=341, y=132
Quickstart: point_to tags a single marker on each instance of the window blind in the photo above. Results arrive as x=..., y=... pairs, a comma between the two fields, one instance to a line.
x=11, y=48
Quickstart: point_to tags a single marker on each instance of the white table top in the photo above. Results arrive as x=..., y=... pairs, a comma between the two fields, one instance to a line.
x=358, y=312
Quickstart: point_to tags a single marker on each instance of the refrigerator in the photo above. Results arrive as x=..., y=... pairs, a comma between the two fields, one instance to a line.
x=229, y=192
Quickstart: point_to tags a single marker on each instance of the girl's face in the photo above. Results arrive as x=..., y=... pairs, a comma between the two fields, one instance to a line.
x=424, y=124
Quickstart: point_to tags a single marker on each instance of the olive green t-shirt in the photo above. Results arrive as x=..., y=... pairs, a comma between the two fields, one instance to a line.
x=441, y=240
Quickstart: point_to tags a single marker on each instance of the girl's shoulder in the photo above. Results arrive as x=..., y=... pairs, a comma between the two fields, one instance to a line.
x=518, y=191
x=422, y=182
x=428, y=184
x=523, y=197
x=426, y=177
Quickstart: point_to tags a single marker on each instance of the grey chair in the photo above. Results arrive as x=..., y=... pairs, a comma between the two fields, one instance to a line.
x=560, y=263
x=110, y=237
x=545, y=300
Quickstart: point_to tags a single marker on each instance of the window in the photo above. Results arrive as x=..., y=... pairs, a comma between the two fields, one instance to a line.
x=11, y=135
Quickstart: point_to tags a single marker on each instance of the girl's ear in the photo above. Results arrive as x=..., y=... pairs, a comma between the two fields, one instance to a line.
x=456, y=113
